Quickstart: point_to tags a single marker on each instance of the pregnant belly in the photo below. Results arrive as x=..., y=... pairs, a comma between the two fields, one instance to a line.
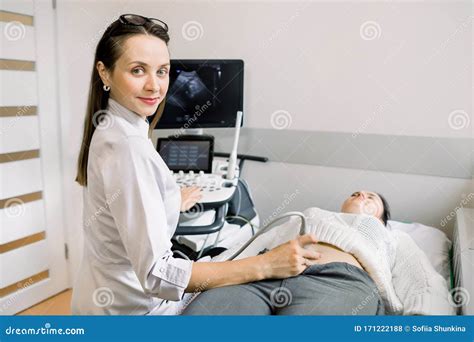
x=330, y=253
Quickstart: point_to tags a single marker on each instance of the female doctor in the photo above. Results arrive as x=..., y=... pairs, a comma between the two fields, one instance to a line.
x=131, y=201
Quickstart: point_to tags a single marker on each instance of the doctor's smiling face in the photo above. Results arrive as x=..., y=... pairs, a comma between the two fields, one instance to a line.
x=367, y=202
x=139, y=78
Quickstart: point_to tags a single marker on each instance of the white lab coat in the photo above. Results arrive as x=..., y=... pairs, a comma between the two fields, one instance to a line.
x=131, y=209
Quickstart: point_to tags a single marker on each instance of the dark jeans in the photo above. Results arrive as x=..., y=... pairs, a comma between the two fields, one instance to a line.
x=335, y=288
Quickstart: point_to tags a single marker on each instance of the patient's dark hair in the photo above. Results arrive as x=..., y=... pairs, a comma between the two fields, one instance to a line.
x=386, y=210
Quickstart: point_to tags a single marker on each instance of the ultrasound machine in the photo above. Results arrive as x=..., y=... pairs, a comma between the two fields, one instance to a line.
x=207, y=94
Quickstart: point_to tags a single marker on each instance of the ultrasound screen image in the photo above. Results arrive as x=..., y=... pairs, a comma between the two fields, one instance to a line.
x=189, y=92
x=203, y=94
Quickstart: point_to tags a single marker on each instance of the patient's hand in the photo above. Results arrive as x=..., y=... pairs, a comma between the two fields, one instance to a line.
x=290, y=258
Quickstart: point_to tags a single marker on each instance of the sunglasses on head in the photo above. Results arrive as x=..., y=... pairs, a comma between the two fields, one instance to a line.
x=138, y=20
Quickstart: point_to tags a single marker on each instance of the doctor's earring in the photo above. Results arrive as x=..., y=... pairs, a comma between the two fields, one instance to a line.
x=106, y=87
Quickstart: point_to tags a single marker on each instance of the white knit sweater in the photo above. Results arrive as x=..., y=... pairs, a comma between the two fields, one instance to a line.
x=406, y=280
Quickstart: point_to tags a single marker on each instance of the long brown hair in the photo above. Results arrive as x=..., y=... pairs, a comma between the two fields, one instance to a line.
x=109, y=51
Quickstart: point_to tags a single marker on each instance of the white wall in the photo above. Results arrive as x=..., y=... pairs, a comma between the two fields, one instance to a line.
x=310, y=60
x=315, y=61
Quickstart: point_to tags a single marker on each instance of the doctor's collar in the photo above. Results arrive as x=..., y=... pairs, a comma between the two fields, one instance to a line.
x=136, y=120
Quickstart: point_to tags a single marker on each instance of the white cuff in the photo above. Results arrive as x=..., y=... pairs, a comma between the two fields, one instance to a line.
x=174, y=275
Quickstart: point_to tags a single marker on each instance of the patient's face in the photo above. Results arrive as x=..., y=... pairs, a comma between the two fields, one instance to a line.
x=364, y=202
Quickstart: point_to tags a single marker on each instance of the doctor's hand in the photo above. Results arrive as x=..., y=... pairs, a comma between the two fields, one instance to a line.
x=189, y=197
x=291, y=258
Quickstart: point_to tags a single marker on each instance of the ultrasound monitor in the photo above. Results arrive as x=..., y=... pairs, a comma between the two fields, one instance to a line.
x=203, y=94
x=187, y=152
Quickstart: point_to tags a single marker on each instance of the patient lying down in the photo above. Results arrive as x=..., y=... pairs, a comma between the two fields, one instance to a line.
x=360, y=202
x=364, y=269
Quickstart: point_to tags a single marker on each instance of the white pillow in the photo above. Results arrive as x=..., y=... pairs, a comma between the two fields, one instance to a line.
x=432, y=241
